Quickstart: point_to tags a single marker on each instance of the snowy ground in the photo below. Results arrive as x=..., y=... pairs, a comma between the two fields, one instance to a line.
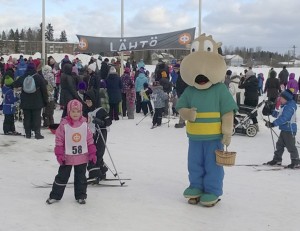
x=156, y=161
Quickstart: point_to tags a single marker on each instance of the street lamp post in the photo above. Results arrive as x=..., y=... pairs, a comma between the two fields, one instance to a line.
x=43, y=34
x=122, y=35
x=199, y=26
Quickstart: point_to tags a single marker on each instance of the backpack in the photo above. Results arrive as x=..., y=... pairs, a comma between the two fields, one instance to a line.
x=29, y=84
x=268, y=108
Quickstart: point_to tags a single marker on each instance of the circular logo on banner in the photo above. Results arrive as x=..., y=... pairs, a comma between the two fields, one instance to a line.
x=76, y=137
x=83, y=44
x=185, y=38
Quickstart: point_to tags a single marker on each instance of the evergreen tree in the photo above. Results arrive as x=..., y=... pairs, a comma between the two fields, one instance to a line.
x=63, y=36
x=3, y=35
x=49, y=32
x=38, y=36
x=17, y=35
x=29, y=34
x=22, y=35
x=16, y=39
x=11, y=34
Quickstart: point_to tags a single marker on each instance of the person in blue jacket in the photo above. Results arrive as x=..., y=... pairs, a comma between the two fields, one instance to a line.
x=9, y=108
x=286, y=120
x=21, y=68
x=139, y=86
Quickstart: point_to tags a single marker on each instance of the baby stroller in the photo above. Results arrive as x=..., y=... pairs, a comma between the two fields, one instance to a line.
x=242, y=120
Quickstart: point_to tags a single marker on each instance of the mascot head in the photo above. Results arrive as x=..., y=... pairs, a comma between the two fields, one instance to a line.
x=204, y=66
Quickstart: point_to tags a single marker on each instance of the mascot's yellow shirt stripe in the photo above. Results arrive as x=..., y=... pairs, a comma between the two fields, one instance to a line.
x=208, y=115
x=207, y=123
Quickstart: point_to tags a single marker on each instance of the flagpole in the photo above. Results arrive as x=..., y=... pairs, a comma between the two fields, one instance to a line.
x=43, y=34
x=200, y=9
x=122, y=35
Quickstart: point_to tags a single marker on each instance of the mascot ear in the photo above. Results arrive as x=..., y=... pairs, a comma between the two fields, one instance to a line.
x=219, y=44
x=220, y=51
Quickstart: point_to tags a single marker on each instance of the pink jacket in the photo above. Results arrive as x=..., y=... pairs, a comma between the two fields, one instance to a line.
x=60, y=143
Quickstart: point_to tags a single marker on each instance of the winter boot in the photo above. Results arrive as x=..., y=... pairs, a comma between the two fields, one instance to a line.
x=38, y=136
x=81, y=201
x=192, y=192
x=273, y=162
x=50, y=201
x=28, y=134
x=294, y=164
x=208, y=200
x=180, y=125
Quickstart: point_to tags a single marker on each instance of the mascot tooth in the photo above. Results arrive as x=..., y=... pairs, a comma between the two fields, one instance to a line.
x=208, y=107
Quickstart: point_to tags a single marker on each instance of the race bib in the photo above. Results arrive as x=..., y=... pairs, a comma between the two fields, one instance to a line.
x=75, y=139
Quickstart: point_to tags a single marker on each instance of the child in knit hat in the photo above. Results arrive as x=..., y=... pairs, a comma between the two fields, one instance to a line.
x=74, y=146
x=9, y=109
x=286, y=120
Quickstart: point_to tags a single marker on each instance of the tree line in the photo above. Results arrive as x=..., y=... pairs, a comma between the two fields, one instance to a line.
x=33, y=34
x=256, y=56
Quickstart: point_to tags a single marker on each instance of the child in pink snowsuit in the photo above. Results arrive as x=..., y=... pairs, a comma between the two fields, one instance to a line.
x=74, y=146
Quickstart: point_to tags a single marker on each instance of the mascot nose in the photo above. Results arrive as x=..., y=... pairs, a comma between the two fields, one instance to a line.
x=201, y=79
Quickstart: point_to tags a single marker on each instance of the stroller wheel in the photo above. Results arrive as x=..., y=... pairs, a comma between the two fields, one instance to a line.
x=233, y=131
x=251, y=130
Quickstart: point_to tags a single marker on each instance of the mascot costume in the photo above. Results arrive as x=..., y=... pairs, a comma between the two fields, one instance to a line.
x=208, y=107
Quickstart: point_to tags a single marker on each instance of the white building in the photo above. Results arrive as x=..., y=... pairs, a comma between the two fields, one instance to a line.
x=234, y=60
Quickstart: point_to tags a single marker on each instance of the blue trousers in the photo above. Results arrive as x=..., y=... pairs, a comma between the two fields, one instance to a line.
x=204, y=173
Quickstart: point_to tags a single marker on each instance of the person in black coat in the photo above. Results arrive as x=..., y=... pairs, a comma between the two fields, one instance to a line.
x=98, y=121
x=180, y=86
x=2, y=67
x=104, y=68
x=68, y=90
x=32, y=103
x=250, y=84
x=114, y=87
x=272, y=87
x=283, y=76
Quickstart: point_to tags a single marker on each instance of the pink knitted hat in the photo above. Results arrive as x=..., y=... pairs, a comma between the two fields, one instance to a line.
x=74, y=104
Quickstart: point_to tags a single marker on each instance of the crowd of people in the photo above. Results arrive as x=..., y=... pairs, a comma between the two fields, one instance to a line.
x=91, y=97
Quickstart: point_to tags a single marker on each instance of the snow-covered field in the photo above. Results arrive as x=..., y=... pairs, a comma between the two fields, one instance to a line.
x=156, y=161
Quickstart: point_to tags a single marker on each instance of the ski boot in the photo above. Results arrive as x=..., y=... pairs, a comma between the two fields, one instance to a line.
x=50, y=201
x=209, y=200
x=81, y=201
x=193, y=194
x=273, y=163
x=93, y=180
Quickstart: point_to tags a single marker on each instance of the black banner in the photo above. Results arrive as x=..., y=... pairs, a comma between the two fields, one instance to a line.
x=172, y=40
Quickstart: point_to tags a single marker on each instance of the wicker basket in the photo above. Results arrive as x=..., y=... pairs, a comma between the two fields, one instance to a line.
x=225, y=158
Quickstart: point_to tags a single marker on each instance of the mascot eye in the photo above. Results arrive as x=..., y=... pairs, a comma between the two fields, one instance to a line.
x=208, y=46
x=195, y=46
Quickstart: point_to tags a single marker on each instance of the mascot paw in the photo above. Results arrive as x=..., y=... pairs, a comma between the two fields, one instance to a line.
x=226, y=140
x=188, y=113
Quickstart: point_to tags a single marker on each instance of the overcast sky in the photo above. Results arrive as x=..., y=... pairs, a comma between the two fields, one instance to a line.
x=273, y=25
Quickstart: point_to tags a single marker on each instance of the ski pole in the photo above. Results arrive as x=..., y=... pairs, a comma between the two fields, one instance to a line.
x=143, y=118
x=272, y=134
x=117, y=174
